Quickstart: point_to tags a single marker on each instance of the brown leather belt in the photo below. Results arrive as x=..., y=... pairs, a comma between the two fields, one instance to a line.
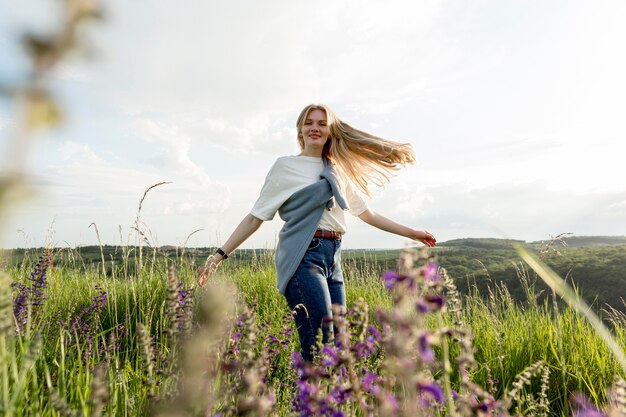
x=327, y=234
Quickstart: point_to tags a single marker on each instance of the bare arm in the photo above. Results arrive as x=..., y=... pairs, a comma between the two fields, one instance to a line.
x=383, y=223
x=246, y=228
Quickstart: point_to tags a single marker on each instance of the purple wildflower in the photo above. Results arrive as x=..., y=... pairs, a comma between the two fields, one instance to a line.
x=33, y=295
x=183, y=294
x=389, y=403
x=430, y=303
x=339, y=395
x=482, y=407
x=20, y=305
x=83, y=326
x=375, y=333
x=392, y=278
x=365, y=348
x=305, y=371
x=426, y=352
x=430, y=272
x=368, y=383
x=330, y=356
x=582, y=407
x=305, y=402
x=431, y=388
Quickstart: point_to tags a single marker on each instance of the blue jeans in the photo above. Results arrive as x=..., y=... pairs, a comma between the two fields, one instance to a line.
x=316, y=284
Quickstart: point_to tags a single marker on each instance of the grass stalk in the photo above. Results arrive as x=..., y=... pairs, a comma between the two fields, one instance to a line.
x=104, y=273
x=447, y=368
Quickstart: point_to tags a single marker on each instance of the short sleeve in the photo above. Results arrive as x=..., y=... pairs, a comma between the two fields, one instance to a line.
x=356, y=203
x=270, y=198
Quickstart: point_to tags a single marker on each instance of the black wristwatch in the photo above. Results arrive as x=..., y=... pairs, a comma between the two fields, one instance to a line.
x=221, y=252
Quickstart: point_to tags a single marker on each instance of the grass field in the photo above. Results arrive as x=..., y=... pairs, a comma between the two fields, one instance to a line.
x=145, y=341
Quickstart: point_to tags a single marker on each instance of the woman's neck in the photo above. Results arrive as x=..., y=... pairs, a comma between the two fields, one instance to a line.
x=317, y=153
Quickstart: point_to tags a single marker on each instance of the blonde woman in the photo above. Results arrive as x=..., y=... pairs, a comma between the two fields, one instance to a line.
x=311, y=191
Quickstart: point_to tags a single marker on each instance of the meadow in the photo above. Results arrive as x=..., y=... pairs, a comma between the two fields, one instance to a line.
x=137, y=336
x=133, y=335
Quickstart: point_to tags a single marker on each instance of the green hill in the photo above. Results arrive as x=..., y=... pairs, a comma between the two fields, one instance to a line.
x=590, y=241
x=481, y=243
x=596, y=265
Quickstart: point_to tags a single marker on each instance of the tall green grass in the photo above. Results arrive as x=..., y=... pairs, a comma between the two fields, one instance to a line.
x=43, y=374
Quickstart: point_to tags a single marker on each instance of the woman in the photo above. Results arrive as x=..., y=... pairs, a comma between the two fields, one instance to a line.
x=311, y=191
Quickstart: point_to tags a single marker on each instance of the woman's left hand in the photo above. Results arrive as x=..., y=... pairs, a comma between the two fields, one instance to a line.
x=205, y=271
x=425, y=237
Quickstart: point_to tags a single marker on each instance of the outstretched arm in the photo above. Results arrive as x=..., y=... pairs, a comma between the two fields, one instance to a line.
x=383, y=223
x=246, y=228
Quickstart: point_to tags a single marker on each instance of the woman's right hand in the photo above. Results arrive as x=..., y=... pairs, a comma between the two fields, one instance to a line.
x=424, y=236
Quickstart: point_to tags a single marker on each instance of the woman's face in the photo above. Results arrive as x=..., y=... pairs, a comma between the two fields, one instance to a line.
x=315, y=131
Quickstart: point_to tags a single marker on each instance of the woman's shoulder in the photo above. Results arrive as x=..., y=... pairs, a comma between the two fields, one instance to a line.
x=296, y=161
x=281, y=164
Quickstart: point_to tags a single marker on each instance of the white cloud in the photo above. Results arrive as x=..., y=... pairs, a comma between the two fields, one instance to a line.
x=169, y=149
x=256, y=134
x=75, y=151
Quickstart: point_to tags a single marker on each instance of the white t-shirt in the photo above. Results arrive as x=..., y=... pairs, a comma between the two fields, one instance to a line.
x=290, y=174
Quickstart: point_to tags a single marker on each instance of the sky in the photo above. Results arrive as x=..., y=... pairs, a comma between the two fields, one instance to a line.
x=515, y=111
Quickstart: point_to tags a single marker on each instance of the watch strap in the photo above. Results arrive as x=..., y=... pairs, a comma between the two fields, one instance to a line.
x=221, y=252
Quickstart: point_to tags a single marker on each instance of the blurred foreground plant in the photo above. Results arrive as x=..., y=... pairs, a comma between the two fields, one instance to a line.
x=36, y=106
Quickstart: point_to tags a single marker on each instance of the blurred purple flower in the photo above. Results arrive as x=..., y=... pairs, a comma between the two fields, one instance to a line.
x=330, y=356
x=582, y=407
x=426, y=352
x=304, y=402
x=304, y=368
x=368, y=383
x=339, y=395
x=430, y=303
x=365, y=348
x=374, y=331
x=392, y=278
x=183, y=294
x=431, y=388
x=430, y=272
x=390, y=402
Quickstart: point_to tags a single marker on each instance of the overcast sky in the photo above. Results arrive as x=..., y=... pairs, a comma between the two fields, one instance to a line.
x=516, y=111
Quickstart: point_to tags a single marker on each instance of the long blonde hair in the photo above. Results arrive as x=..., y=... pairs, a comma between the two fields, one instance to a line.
x=361, y=157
